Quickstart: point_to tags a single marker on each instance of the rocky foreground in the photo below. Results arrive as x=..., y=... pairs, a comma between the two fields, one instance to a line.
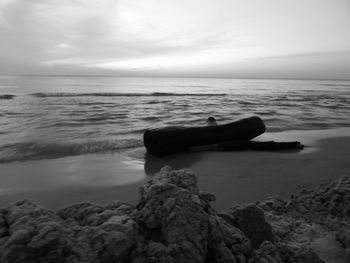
x=174, y=222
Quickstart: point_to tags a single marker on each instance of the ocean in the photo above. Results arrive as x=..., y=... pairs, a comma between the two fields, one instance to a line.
x=45, y=117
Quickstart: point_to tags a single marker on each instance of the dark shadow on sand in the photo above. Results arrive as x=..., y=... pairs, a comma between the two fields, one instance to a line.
x=185, y=160
x=176, y=161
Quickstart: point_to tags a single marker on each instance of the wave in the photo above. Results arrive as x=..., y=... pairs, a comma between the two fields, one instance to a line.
x=336, y=85
x=248, y=103
x=265, y=112
x=7, y=96
x=151, y=118
x=118, y=94
x=24, y=151
x=191, y=86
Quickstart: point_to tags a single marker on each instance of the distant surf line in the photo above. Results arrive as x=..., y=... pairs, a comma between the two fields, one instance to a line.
x=120, y=94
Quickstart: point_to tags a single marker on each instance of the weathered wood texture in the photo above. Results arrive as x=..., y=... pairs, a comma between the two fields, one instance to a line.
x=258, y=146
x=163, y=141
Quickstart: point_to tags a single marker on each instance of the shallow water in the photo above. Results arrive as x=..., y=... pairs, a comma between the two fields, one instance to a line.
x=49, y=117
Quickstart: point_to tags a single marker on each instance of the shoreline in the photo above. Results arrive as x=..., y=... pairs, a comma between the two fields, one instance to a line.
x=235, y=177
x=249, y=176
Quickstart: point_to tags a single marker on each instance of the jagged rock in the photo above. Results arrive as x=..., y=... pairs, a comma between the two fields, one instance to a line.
x=251, y=221
x=344, y=239
x=266, y=253
x=301, y=255
x=105, y=233
x=315, y=224
x=275, y=204
x=332, y=198
x=174, y=222
x=94, y=214
x=175, y=216
x=31, y=233
x=328, y=198
x=271, y=253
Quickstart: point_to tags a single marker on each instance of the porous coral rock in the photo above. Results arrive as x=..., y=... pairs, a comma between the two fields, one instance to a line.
x=309, y=225
x=251, y=220
x=174, y=222
x=34, y=234
x=31, y=233
x=173, y=212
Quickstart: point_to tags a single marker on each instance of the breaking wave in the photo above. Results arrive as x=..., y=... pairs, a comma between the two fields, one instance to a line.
x=118, y=94
x=7, y=96
x=46, y=150
x=336, y=85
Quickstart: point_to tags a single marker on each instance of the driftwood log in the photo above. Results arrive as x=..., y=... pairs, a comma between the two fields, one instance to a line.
x=168, y=140
x=243, y=145
x=259, y=146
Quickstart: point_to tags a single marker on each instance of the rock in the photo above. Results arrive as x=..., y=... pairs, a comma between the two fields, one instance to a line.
x=332, y=198
x=251, y=221
x=314, y=225
x=174, y=222
x=275, y=204
x=32, y=233
x=301, y=255
x=173, y=214
x=267, y=253
x=344, y=239
x=99, y=233
x=90, y=214
x=35, y=234
x=271, y=253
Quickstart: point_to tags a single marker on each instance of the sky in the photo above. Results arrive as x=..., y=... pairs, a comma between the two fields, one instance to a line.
x=192, y=38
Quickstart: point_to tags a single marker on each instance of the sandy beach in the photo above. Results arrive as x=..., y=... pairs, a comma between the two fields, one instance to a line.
x=234, y=177
x=249, y=176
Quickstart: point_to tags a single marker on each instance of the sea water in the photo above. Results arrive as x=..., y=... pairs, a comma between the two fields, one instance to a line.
x=57, y=116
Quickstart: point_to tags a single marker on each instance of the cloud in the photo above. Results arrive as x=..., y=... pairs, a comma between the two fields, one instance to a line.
x=312, y=54
x=83, y=35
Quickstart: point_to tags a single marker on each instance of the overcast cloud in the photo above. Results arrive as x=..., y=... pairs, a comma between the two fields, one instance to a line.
x=226, y=38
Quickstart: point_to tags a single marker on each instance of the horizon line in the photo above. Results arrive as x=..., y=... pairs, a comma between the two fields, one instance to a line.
x=170, y=76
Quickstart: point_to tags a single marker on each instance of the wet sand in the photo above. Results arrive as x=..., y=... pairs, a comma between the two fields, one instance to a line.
x=234, y=177
x=57, y=182
x=249, y=176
